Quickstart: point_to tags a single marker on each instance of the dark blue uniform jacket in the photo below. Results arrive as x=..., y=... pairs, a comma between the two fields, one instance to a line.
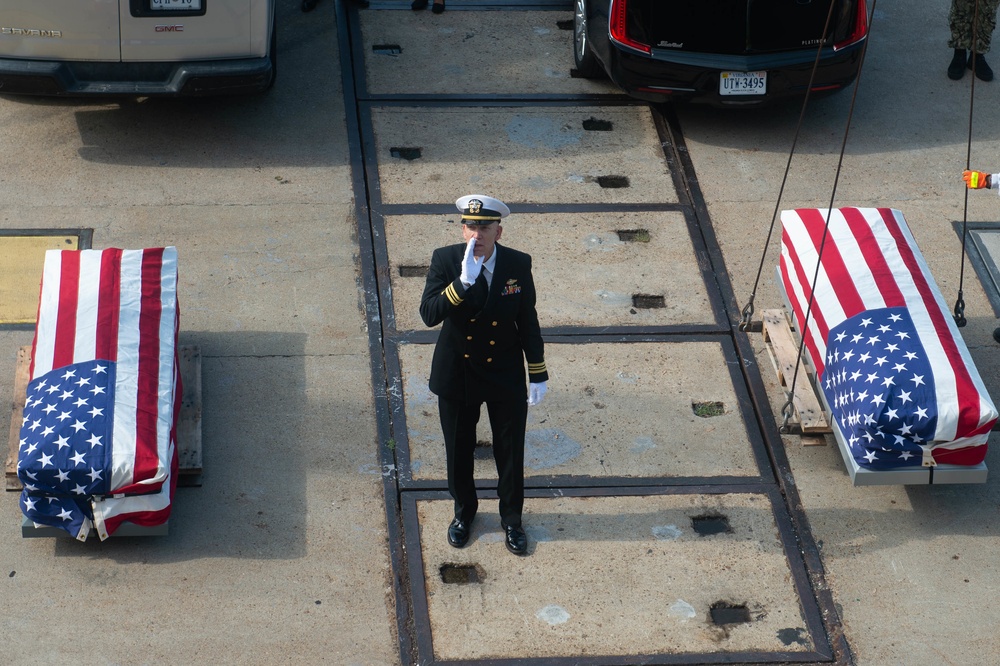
x=487, y=333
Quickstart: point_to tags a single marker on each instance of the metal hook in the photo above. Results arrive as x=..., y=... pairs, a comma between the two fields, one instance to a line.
x=786, y=412
x=747, y=316
x=960, y=319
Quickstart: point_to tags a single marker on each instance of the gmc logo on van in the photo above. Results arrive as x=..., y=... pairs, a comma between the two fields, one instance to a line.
x=169, y=28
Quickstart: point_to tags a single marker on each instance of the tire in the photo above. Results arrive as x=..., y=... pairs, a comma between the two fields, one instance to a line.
x=587, y=65
x=273, y=52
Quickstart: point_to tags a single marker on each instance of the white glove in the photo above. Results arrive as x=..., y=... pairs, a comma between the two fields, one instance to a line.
x=536, y=392
x=471, y=265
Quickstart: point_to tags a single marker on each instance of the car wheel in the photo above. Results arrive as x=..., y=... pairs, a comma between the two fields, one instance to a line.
x=586, y=63
x=274, y=54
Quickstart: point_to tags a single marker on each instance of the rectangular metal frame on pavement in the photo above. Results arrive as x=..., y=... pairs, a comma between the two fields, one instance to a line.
x=812, y=612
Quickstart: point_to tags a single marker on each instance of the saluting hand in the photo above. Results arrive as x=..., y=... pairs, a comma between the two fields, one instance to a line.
x=471, y=265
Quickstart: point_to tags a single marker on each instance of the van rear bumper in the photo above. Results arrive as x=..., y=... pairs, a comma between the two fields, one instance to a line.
x=163, y=79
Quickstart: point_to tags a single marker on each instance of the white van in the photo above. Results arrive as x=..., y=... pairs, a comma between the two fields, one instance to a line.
x=136, y=47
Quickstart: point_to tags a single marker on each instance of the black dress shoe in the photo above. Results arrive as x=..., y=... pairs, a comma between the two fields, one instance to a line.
x=983, y=71
x=515, y=539
x=956, y=69
x=458, y=533
x=438, y=7
x=417, y=5
x=996, y=334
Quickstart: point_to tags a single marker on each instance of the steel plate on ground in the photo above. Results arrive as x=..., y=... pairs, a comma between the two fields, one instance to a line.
x=669, y=575
x=621, y=410
x=537, y=154
x=588, y=267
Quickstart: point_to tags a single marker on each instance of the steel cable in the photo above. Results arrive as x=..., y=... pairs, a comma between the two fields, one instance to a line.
x=786, y=410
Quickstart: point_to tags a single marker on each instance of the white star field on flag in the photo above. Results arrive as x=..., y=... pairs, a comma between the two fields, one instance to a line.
x=878, y=384
x=62, y=453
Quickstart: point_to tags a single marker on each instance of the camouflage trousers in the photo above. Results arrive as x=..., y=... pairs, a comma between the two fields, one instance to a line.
x=960, y=18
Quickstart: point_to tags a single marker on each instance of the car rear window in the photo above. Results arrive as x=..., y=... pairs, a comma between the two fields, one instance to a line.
x=737, y=26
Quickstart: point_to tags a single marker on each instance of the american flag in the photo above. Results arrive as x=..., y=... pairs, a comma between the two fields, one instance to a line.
x=97, y=440
x=891, y=362
x=880, y=390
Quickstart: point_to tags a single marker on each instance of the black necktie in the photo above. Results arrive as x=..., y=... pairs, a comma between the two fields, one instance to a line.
x=479, y=291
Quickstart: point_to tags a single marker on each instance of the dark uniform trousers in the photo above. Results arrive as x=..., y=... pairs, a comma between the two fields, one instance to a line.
x=458, y=424
x=487, y=334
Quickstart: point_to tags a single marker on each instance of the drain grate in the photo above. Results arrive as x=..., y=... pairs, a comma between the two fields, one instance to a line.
x=413, y=271
x=711, y=524
x=723, y=613
x=406, y=153
x=633, y=235
x=594, y=125
x=462, y=574
x=648, y=301
x=612, y=182
x=707, y=410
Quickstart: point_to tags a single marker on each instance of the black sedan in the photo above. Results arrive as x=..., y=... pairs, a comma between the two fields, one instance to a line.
x=724, y=52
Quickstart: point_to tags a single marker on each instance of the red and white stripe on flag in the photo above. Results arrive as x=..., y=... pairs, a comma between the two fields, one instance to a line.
x=120, y=306
x=869, y=261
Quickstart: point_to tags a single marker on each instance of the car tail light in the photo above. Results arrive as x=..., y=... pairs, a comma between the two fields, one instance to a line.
x=860, y=26
x=618, y=20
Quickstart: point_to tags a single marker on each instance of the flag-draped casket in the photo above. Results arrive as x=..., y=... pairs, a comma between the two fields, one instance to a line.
x=890, y=361
x=98, y=438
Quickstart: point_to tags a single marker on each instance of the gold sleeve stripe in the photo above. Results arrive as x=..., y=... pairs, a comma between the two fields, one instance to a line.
x=536, y=368
x=452, y=295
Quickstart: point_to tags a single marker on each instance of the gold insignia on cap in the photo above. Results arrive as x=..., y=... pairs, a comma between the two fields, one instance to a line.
x=475, y=205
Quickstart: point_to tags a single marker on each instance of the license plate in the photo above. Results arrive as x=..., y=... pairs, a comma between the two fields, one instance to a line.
x=176, y=5
x=743, y=83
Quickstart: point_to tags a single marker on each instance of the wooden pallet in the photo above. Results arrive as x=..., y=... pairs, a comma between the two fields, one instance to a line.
x=783, y=348
x=188, y=423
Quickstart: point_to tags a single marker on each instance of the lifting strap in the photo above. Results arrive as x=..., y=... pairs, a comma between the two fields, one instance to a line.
x=788, y=408
x=960, y=319
x=748, y=309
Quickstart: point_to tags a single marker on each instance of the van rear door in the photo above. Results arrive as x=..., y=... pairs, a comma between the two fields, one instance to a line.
x=173, y=30
x=60, y=30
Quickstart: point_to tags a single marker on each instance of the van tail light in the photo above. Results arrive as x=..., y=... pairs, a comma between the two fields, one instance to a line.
x=618, y=19
x=860, y=27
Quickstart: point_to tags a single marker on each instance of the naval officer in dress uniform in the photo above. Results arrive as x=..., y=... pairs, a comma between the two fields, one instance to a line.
x=484, y=296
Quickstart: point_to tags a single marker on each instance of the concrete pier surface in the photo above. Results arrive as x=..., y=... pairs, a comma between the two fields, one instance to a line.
x=668, y=519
